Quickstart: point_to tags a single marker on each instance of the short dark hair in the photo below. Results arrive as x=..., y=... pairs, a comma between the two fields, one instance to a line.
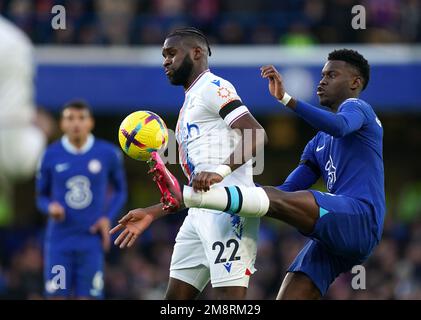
x=191, y=32
x=77, y=104
x=355, y=59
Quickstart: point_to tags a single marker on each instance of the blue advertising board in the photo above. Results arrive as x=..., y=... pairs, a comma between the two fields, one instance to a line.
x=124, y=88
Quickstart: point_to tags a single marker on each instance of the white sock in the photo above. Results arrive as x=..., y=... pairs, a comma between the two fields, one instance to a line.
x=245, y=201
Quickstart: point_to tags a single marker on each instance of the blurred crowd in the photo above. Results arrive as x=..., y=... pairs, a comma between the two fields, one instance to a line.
x=392, y=272
x=144, y=22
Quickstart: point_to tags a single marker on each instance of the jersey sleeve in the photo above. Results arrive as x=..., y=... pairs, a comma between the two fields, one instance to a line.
x=302, y=178
x=43, y=184
x=307, y=172
x=350, y=117
x=308, y=157
x=308, y=152
x=222, y=98
x=117, y=180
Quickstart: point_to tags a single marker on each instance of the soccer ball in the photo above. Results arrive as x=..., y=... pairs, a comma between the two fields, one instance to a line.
x=141, y=133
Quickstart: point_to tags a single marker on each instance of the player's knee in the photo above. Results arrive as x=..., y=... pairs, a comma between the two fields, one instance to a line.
x=231, y=293
x=295, y=208
x=180, y=290
x=172, y=294
x=298, y=286
x=276, y=198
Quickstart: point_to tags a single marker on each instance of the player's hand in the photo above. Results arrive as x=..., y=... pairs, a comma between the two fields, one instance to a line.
x=56, y=211
x=103, y=227
x=133, y=224
x=204, y=180
x=276, y=85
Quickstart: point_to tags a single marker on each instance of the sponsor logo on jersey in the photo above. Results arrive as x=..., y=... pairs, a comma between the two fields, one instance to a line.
x=192, y=127
x=331, y=174
x=79, y=194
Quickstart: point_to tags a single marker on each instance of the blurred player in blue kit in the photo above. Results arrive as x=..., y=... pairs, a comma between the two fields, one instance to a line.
x=81, y=186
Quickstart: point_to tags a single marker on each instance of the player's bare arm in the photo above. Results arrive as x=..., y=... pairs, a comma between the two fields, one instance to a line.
x=246, y=150
x=250, y=148
x=135, y=222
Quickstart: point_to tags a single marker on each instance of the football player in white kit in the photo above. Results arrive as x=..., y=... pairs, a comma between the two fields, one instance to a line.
x=211, y=245
x=21, y=140
x=17, y=109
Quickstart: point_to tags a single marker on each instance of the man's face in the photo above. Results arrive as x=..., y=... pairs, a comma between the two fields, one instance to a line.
x=76, y=124
x=336, y=83
x=177, y=63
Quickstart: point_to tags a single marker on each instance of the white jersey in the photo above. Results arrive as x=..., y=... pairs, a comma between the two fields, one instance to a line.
x=213, y=245
x=204, y=134
x=16, y=76
x=17, y=110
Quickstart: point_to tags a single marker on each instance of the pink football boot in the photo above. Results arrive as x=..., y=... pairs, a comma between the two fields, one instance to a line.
x=167, y=183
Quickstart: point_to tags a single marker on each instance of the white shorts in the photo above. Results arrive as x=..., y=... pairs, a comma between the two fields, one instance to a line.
x=216, y=247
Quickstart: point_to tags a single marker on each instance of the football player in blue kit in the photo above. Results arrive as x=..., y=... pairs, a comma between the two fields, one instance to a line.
x=343, y=224
x=81, y=186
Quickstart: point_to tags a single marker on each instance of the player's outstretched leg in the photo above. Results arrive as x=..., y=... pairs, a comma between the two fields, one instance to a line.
x=298, y=209
x=168, y=184
x=247, y=202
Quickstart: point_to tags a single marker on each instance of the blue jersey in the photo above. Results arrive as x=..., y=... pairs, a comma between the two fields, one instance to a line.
x=89, y=184
x=346, y=153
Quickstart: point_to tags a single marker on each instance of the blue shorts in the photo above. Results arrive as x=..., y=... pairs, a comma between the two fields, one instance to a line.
x=344, y=236
x=74, y=273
